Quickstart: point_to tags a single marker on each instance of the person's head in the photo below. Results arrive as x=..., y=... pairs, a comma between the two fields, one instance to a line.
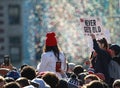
x=95, y=84
x=71, y=67
x=9, y=79
x=22, y=66
x=51, y=44
x=13, y=74
x=39, y=83
x=73, y=81
x=51, y=79
x=116, y=83
x=11, y=85
x=2, y=81
x=62, y=84
x=90, y=77
x=103, y=43
x=81, y=76
x=115, y=50
x=51, y=39
x=23, y=81
x=29, y=72
x=78, y=69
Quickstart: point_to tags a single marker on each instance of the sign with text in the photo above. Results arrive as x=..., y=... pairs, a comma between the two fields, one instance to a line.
x=91, y=25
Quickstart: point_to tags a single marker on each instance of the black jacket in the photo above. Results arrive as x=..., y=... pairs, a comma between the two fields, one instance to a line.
x=101, y=61
x=116, y=59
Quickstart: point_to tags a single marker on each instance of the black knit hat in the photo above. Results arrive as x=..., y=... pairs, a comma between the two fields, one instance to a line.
x=116, y=48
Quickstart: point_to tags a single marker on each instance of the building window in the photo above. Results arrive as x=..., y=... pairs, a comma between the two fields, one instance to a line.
x=14, y=14
x=1, y=7
x=2, y=47
x=15, y=48
x=15, y=53
x=1, y=14
x=16, y=40
x=1, y=31
x=1, y=40
x=1, y=22
x=1, y=59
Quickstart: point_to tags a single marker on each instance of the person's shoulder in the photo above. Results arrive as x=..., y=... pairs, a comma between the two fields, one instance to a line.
x=45, y=54
x=62, y=54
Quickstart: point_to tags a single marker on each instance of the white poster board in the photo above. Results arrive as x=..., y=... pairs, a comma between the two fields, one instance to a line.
x=91, y=25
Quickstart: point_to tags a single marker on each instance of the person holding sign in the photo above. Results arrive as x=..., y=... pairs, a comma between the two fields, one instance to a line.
x=101, y=61
x=52, y=59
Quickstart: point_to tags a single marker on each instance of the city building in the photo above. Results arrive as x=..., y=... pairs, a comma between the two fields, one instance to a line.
x=11, y=30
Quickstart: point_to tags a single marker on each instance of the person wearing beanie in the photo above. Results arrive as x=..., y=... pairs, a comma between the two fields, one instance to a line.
x=52, y=58
x=13, y=74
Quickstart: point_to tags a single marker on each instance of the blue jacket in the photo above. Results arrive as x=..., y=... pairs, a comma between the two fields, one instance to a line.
x=101, y=61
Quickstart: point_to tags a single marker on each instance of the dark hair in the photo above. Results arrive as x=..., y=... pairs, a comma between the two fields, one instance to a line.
x=51, y=79
x=9, y=79
x=55, y=49
x=103, y=41
x=81, y=76
x=28, y=72
x=22, y=66
x=116, y=83
x=62, y=84
x=105, y=84
x=11, y=85
x=78, y=69
x=115, y=48
x=95, y=84
x=23, y=81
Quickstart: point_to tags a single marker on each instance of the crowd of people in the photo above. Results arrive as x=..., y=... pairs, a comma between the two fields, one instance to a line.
x=54, y=71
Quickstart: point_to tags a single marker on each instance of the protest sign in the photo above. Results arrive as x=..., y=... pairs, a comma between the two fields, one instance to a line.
x=91, y=25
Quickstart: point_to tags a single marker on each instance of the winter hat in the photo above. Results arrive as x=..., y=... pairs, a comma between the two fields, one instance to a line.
x=101, y=76
x=13, y=74
x=51, y=39
x=73, y=82
x=116, y=48
x=91, y=70
x=41, y=83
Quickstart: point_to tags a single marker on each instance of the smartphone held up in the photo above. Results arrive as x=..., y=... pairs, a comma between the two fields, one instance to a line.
x=6, y=60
